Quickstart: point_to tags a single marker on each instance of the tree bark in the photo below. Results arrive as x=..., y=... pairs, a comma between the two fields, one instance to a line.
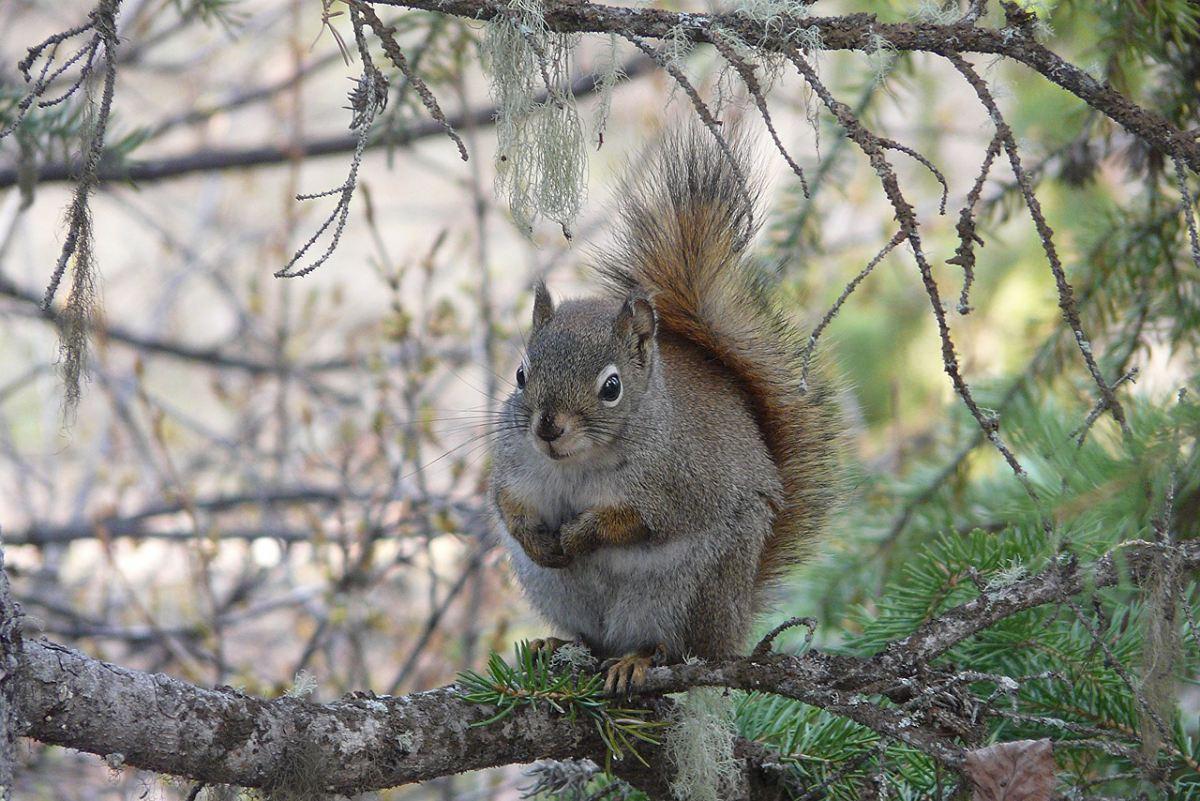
x=10, y=652
x=222, y=736
x=364, y=742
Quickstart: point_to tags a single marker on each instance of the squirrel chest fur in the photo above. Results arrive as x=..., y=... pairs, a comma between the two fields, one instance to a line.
x=700, y=535
x=659, y=464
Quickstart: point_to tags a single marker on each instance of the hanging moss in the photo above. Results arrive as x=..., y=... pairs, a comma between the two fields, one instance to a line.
x=608, y=76
x=700, y=746
x=541, y=157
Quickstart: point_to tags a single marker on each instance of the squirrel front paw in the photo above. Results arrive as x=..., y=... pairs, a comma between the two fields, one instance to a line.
x=581, y=535
x=541, y=544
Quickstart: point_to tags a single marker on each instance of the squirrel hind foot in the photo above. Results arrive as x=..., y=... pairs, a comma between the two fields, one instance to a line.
x=625, y=675
x=547, y=645
x=564, y=655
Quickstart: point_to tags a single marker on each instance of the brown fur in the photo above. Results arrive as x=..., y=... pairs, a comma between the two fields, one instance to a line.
x=619, y=525
x=685, y=227
x=601, y=527
x=539, y=541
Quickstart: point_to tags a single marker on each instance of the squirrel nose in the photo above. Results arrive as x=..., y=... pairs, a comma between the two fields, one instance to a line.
x=547, y=428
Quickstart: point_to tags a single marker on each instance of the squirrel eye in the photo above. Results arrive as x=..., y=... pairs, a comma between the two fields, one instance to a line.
x=610, y=390
x=521, y=377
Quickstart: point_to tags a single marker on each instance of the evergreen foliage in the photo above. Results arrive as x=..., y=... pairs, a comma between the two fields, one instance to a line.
x=531, y=681
x=937, y=515
x=946, y=516
x=1108, y=678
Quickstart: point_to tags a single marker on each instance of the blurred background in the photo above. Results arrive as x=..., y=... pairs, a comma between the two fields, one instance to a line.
x=276, y=484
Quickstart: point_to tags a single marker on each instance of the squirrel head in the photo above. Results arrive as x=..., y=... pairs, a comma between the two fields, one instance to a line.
x=586, y=369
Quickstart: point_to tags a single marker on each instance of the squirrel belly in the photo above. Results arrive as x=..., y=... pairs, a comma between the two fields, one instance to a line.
x=690, y=584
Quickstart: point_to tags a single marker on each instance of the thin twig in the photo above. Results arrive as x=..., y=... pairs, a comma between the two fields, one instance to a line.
x=746, y=72
x=1186, y=202
x=807, y=353
x=386, y=35
x=874, y=150
x=706, y=117
x=764, y=645
x=964, y=256
x=367, y=100
x=1066, y=295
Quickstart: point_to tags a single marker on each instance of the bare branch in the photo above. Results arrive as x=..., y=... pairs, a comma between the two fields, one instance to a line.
x=964, y=256
x=367, y=99
x=702, y=110
x=1066, y=294
x=745, y=70
x=390, y=46
x=850, y=32
x=1186, y=202
x=873, y=147
x=814, y=337
x=214, y=159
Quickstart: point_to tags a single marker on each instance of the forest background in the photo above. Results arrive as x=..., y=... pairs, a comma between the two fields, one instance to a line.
x=274, y=484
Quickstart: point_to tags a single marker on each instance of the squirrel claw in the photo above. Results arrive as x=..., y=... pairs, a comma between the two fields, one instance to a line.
x=627, y=674
x=546, y=645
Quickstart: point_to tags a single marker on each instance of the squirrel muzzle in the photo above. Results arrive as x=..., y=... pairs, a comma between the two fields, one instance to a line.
x=557, y=434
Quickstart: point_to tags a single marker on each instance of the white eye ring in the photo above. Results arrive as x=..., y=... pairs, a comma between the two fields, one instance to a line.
x=607, y=373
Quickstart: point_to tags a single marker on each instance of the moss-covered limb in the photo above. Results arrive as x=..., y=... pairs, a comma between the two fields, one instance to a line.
x=850, y=32
x=222, y=736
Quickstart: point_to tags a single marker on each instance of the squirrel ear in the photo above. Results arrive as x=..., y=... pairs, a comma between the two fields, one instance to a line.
x=637, y=321
x=543, y=306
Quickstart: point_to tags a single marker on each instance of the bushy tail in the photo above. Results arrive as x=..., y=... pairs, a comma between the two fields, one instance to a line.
x=686, y=217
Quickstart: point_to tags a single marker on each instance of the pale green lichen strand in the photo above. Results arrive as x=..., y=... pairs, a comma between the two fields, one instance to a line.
x=676, y=45
x=608, y=75
x=938, y=13
x=541, y=156
x=778, y=17
x=881, y=55
x=700, y=746
x=303, y=685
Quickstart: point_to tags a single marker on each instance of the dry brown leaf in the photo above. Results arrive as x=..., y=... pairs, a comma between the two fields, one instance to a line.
x=1017, y=771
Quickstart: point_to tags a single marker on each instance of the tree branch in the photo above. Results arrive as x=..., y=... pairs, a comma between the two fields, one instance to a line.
x=222, y=358
x=213, y=159
x=224, y=737
x=850, y=32
x=139, y=525
x=365, y=742
x=10, y=654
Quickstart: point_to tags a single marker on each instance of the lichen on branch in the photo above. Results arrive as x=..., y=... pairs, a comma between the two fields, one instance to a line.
x=541, y=150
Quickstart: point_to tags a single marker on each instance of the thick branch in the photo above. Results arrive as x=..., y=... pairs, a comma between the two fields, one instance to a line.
x=10, y=652
x=222, y=736
x=851, y=32
x=357, y=744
